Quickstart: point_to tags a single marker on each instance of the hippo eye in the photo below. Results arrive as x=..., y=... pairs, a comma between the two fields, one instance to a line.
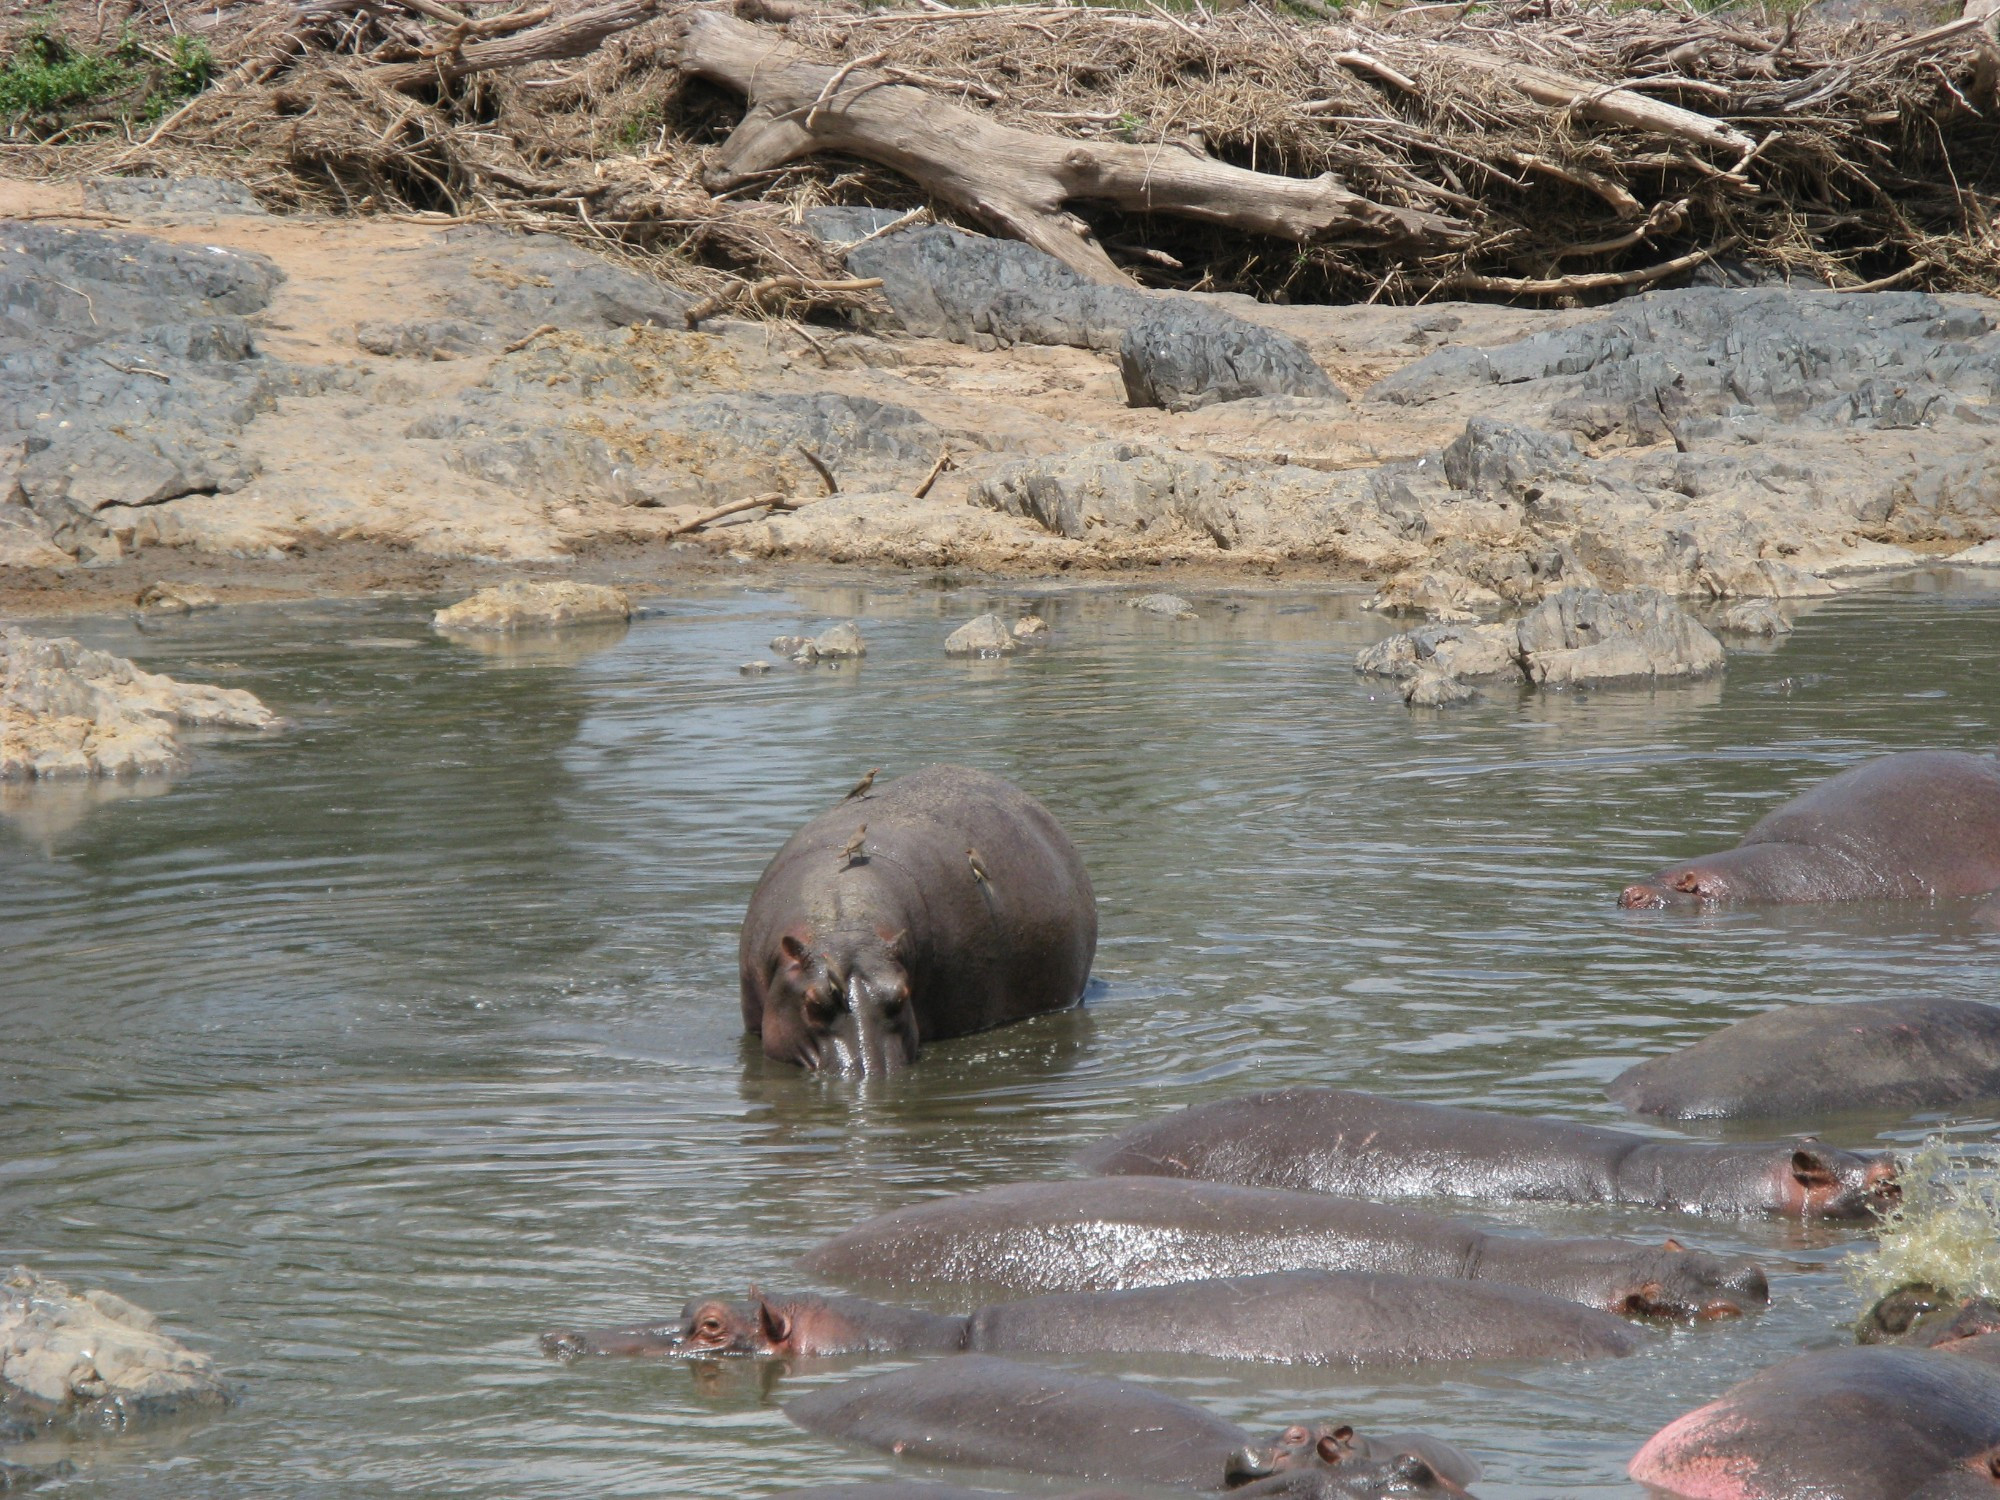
x=1295, y=1435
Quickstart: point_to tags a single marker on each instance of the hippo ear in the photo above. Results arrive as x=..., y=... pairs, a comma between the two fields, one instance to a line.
x=777, y=1325
x=1676, y=1246
x=1333, y=1448
x=793, y=949
x=1812, y=1170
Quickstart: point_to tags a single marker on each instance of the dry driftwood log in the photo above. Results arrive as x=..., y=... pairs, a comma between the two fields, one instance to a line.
x=573, y=35
x=1019, y=181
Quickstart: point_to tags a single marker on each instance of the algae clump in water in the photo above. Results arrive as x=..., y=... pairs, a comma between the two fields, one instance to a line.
x=1944, y=1233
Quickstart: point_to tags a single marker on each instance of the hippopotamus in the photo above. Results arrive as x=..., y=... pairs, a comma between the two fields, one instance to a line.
x=1929, y=1317
x=1149, y=1231
x=1918, y=826
x=992, y=1413
x=945, y=902
x=1875, y=1422
x=1317, y=1317
x=1341, y=1141
x=1328, y=1459
x=1805, y=1061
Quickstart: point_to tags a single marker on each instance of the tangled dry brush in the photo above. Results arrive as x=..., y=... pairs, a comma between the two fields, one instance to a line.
x=1574, y=148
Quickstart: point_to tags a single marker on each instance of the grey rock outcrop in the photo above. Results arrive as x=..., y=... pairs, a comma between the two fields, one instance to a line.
x=986, y=635
x=1173, y=351
x=1584, y=636
x=1574, y=638
x=171, y=197
x=92, y=1357
x=1183, y=358
x=1759, y=617
x=69, y=711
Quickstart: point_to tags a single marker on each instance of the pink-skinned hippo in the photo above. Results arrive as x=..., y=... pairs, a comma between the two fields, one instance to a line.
x=1310, y=1317
x=1918, y=826
x=942, y=903
x=1877, y=1422
x=1368, y=1146
x=1807, y=1061
x=983, y=1412
x=1118, y=1232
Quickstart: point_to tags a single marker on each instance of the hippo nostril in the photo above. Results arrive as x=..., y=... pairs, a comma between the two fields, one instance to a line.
x=1715, y=1310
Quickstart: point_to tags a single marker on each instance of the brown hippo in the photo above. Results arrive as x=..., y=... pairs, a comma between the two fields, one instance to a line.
x=1911, y=827
x=1870, y=1423
x=1151, y=1231
x=945, y=902
x=1316, y=1317
x=1365, y=1145
x=1805, y=1061
x=995, y=1414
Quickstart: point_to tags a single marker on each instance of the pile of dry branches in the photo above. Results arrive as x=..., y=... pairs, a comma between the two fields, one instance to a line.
x=1563, y=148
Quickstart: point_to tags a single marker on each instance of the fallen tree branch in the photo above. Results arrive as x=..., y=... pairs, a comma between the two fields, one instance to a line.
x=1612, y=106
x=1018, y=181
x=573, y=35
x=756, y=291
x=774, y=500
x=1590, y=281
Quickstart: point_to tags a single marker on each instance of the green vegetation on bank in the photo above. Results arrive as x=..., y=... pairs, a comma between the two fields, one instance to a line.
x=50, y=83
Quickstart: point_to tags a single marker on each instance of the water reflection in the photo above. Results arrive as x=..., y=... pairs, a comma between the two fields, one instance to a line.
x=370, y=1050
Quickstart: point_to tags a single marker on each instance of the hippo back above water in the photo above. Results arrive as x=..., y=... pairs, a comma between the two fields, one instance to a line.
x=943, y=903
x=1368, y=1146
x=1918, y=826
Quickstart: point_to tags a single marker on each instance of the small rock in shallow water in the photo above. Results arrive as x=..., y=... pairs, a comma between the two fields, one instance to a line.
x=1756, y=617
x=175, y=598
x=843, y=639
x=754, y=668
x=93, y=1353
x=790, y=645
x=518, y=605
x=986, y=636
x=1029, y=626
x=1173, y=606
x=66, y=710
x=1430, y=688
x=15, y=1477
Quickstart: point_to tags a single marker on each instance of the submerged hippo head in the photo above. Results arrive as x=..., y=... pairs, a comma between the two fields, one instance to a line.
x=1324, y=1461
x=1755, y=872
x=1928, y=1317
x=840, y=1003
x=1801, y=1179
x=707, y=1326
x=1675, y=1282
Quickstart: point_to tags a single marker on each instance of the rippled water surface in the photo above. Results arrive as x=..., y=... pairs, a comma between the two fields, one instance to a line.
x=364, y=1052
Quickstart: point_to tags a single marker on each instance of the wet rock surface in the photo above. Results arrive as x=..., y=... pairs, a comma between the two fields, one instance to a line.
x=68, y=711
x=91, y=1358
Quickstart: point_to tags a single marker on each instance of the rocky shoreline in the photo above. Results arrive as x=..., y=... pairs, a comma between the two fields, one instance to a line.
x=208, y=398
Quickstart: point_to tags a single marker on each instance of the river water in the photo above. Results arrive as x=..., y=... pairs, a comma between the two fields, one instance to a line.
x=364, y=1052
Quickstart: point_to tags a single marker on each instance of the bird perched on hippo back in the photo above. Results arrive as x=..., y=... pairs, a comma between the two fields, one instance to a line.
x=940, y=904
x=1918, y=826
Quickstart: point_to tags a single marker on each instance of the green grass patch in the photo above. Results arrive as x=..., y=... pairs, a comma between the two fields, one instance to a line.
x=49, y=81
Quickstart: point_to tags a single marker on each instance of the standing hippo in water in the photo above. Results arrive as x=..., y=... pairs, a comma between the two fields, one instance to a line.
x=1870, y=1423
x=1912, y=827
x=995, y=1414
x=1340, y=1141
x=944, y=903
x=1151, y=1231
x=1313, y=1317
x=1805, y=1061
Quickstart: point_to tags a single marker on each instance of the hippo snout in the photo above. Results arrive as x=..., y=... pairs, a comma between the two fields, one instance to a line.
x=1642, y=898
x=1244, y=1465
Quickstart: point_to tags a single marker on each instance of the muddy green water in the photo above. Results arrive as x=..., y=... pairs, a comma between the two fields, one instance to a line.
x=364, y=1052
